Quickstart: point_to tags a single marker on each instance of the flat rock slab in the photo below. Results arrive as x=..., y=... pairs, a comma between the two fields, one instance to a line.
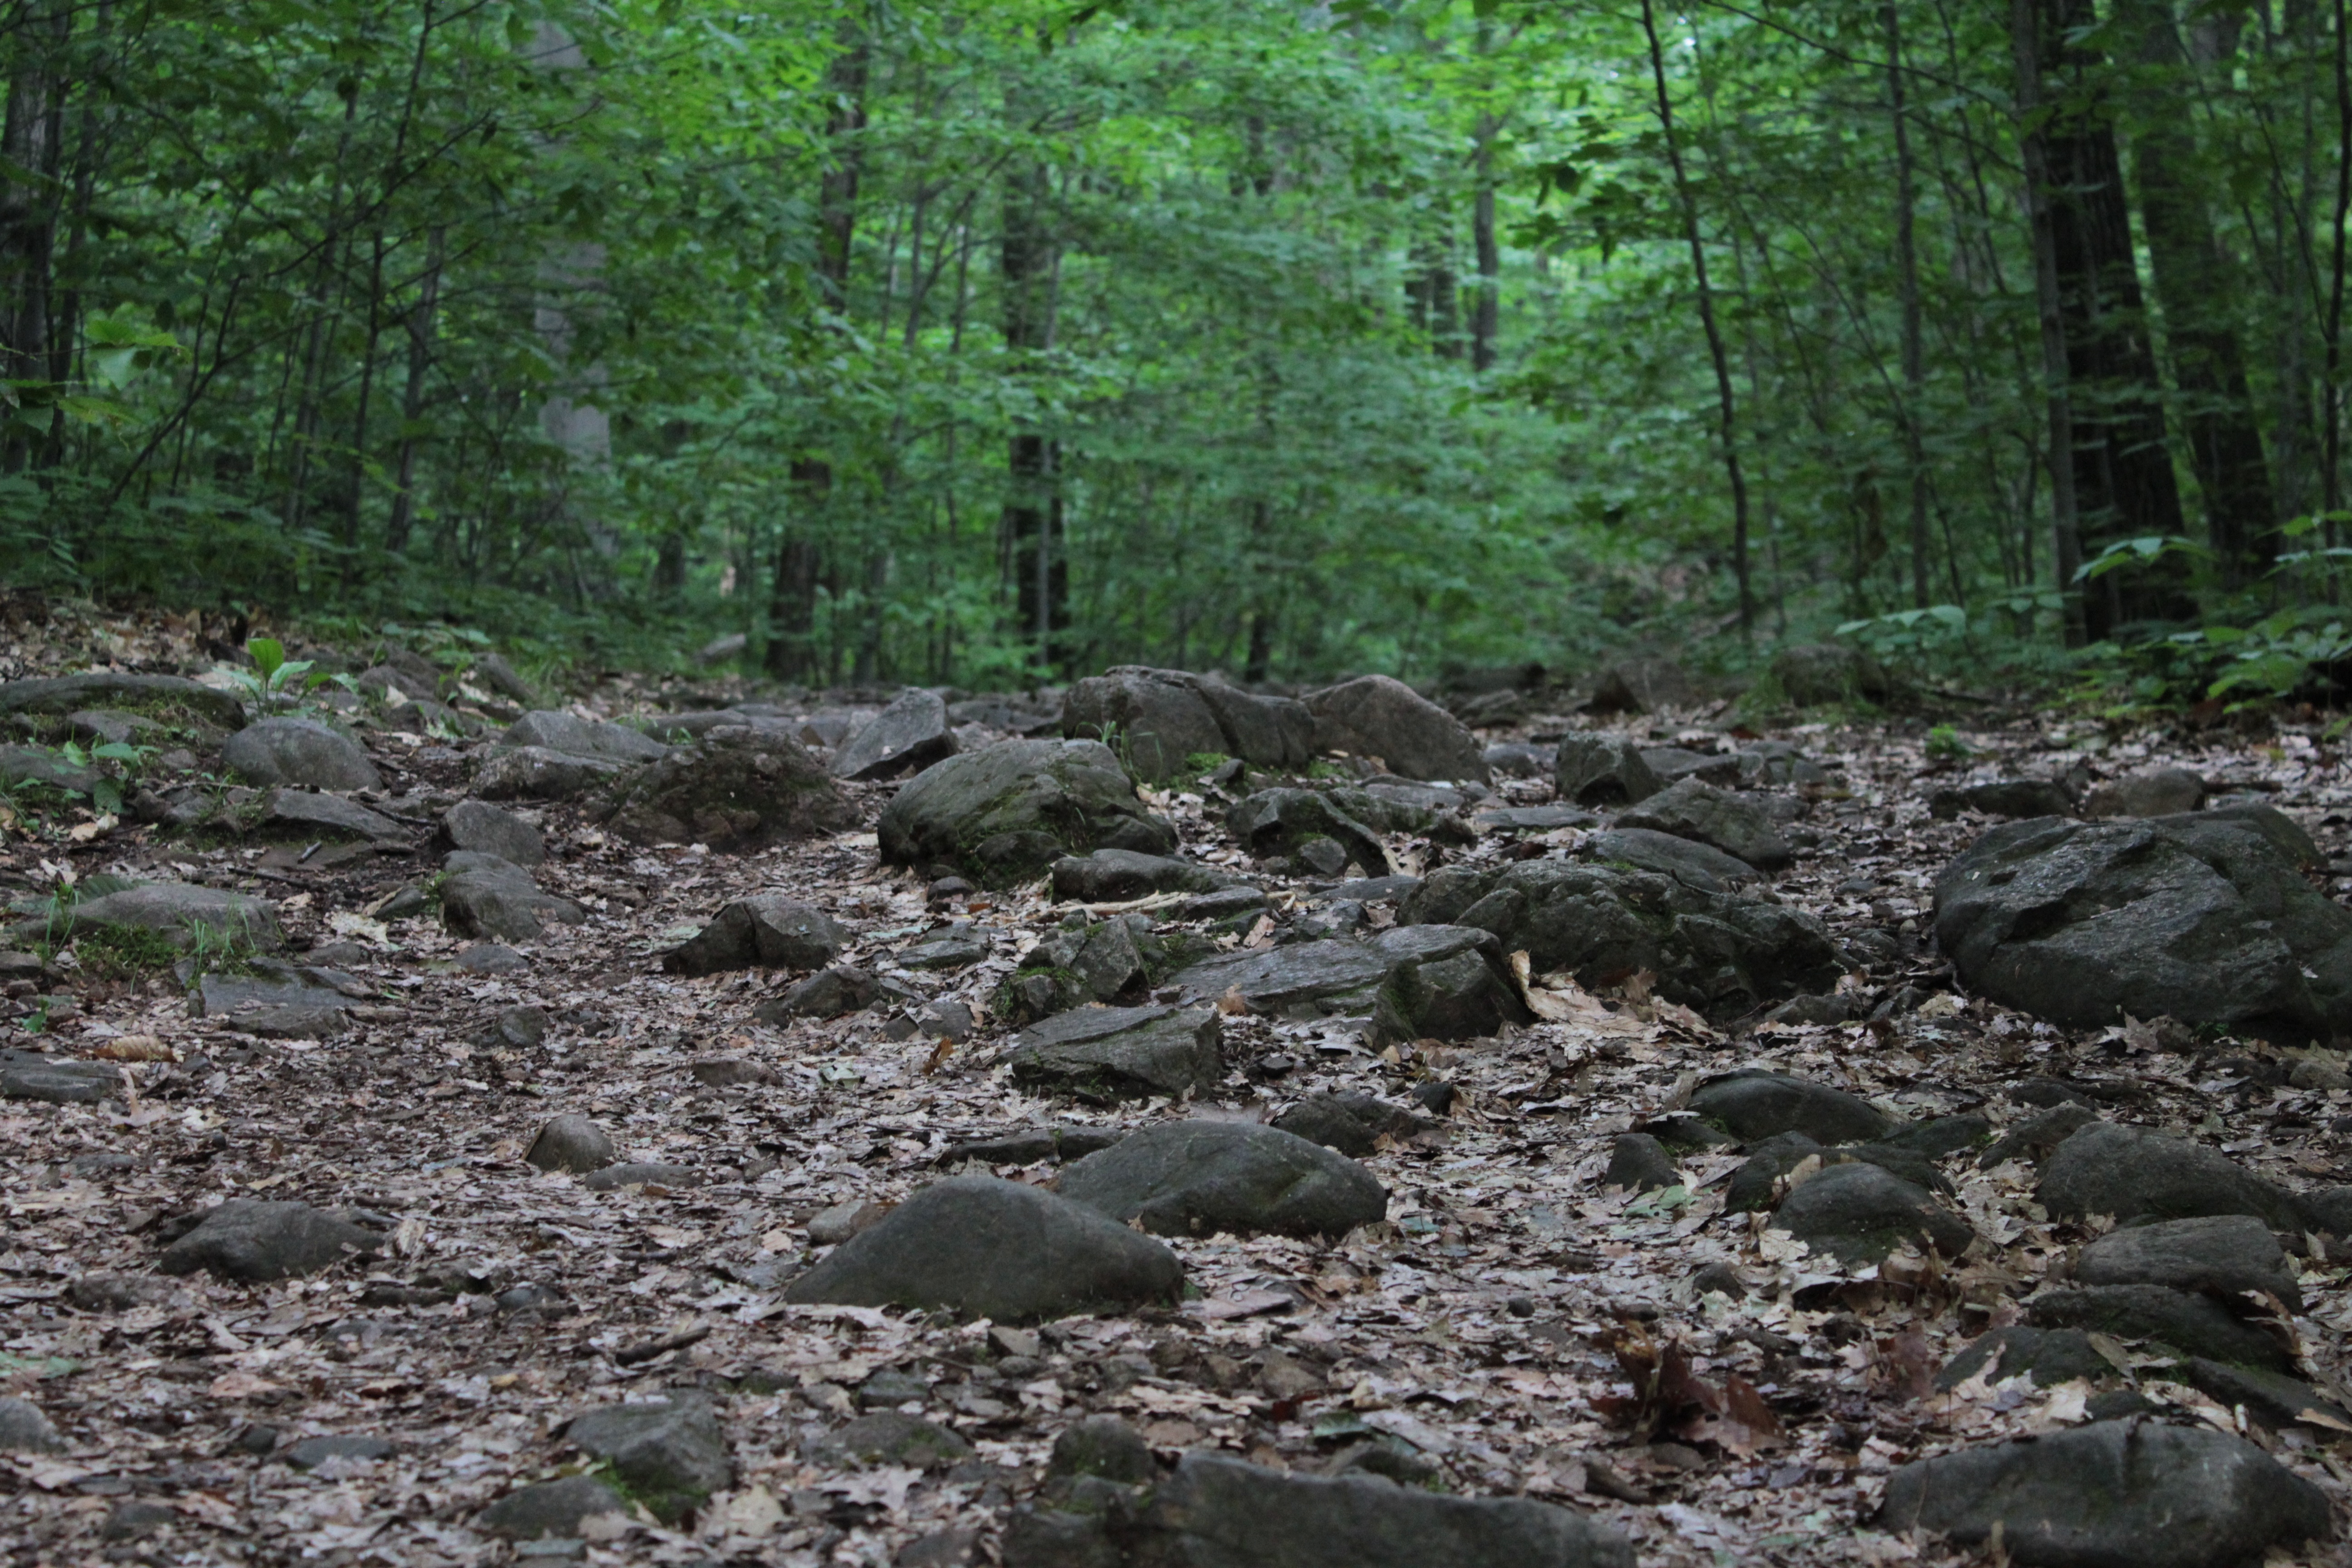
x=907, y=736
x=167, y=697
x=1220, y=1513
x=183, y=913
x=641, y=1174
x=1115, y=875
x=1753, y=1105
x=489, y=829
x=2106, y=1168
x=248, y=1239
x=1722, y=819
x=1199, y=1178
x=1275, y=980
x=1122, y=1052
x=735, y=789
x=551, y=1509
x=1688, y=861
x=56, y=1080
x=299, y=752
x=30, y=764
x=2220, y=1255
x=327, y=818
x=312, y=1452
x=986, y=1248
x=1602, y=770
x=2046, y=1355
x=1004, y=814
x=765, y=930
x=670, y=1453
x=1167, y=718
x=537, y=772
x=274, y=982
x=2207, y=918
x=568, y=733
x=2114, y=1493
x=1858, y=1212
x=2190, y=1325
x=892, y=1438
x=1352, y=1123
x=483, y=896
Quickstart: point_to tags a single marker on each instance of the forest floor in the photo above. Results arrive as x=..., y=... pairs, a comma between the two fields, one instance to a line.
x=1488, y=1326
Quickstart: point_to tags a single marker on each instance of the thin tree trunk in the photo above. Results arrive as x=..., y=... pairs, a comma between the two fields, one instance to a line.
x=1486, y=310
x=1906, y=282
x=2331, y=478
x=411, y=398
x=1715, y=348
x=2065, y=533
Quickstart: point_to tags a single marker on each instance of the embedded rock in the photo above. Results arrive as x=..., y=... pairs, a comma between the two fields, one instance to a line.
x=489, y=830
x=184, y=914
x=670, y=1452
x=255, y=1241
x=1592, y=769
x=2185, y=1325
x=2106, y=1168
x=556, y=1508
x=1003, y=815
x=24, y=1429
x=55, y=1080
x=2004, y=797
x=328, y=818
x=827, y=993
x=1722, y=819
x=986, y=1248
x=893, y=1437
x=2207, y=918
x=2219, y=1255
x=1376, y=716
x=300, y=752
x=736, y=788
x=1814, y=673
x=907, y=736
x=2046, y=1355
x=572, y=1143
x=1644, y=686
x=1309, y=978
x=1695, y=865
x=166, y=698
x=536, y=773
x=555, y=731
x=2114, y=1494
x=1750, y=1105
x=1859, y=1212
x=1352, y=1123
x=1198, y=1178
x=765, y=930
x=1290, y=821
x=483, y=896
x=1115, y=876
x=2160, y=792
x=1445, y=982
x=1121, y=1052
x=1166, y=718
x=1640, y=1164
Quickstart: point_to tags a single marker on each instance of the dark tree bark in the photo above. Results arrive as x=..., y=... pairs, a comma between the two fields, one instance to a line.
x=2066, y=525
x=412, y=395
x=2124, y=482
x=2192, y=275
x=800, y=562
x=31, y=140
x=1487, y=309
x=1906, y=275
x=1032, y=519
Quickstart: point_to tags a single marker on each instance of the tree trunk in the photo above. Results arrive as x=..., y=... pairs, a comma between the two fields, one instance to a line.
x=2123, y=483
x=412, y=397
x=2066, y=526
x=1906, y=276
x=2192, y=276
x=1486, y=310
x=1033, y=505
x=29, y=141
x=1728, y=427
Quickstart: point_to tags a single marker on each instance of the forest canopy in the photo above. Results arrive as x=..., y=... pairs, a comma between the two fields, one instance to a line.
x=983, y=343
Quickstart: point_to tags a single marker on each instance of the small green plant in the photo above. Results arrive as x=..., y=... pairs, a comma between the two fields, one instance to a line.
x=125, y=952
x=1206, y=761
x=1945, y=745
x=275, y=679
x=1320, y=769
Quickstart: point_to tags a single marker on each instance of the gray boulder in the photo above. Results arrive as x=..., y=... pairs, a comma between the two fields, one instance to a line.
x=483, y=896
x=1814, y=673
x=1003, y=814
x=1859, y=1212
x=572, y=1143
x=536, y=773
x=1307, y=978
x=2207, y=918
x=1444, y=982
x=24, y=1429
x=551, y=1509
x=1752, y=1105
x=2114, y=1494
x=2004, y=797
x=1291, y=821
x=669, y=1452
x=55, y=1080
x=765, y=930
x=1115, y=876
x=641, y=1174
x=298, y=751
x=1375, y=716
x=1121, y=1052
x=1105, y=961
x=2106, y=1168
x=1352, y=1123
x=2220, y=1255
x=1639, y=1163
x=1722, y=954
x=892, y=1438
x=1643, y=685
x=2173, y=1321
x=736, y=788
x=1723, y=819
x=2160, y=792
x=487, y=829
x=1164, y=718
x=1686, y=860
x=986, y=1248
x=166, y=698
x=246, y=1239
x=555, y=731
x=827, y=993
x=2046, y=1355
x=907, y=736
x=325, y=818
x=1592, y=769
x=1198, y=1178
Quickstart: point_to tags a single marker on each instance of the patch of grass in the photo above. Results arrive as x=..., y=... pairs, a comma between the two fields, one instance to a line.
x=125, y=952
x=1206, y=761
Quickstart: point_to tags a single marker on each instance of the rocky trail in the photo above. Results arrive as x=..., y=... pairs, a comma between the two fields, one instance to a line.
x=445, y=1125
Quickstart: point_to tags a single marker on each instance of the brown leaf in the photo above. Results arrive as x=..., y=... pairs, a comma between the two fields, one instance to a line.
x=134, y=1048
x=1233, y=1004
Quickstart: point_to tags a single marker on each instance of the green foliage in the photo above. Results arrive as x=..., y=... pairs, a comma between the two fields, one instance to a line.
x=1945, y=745
x=125, y=952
